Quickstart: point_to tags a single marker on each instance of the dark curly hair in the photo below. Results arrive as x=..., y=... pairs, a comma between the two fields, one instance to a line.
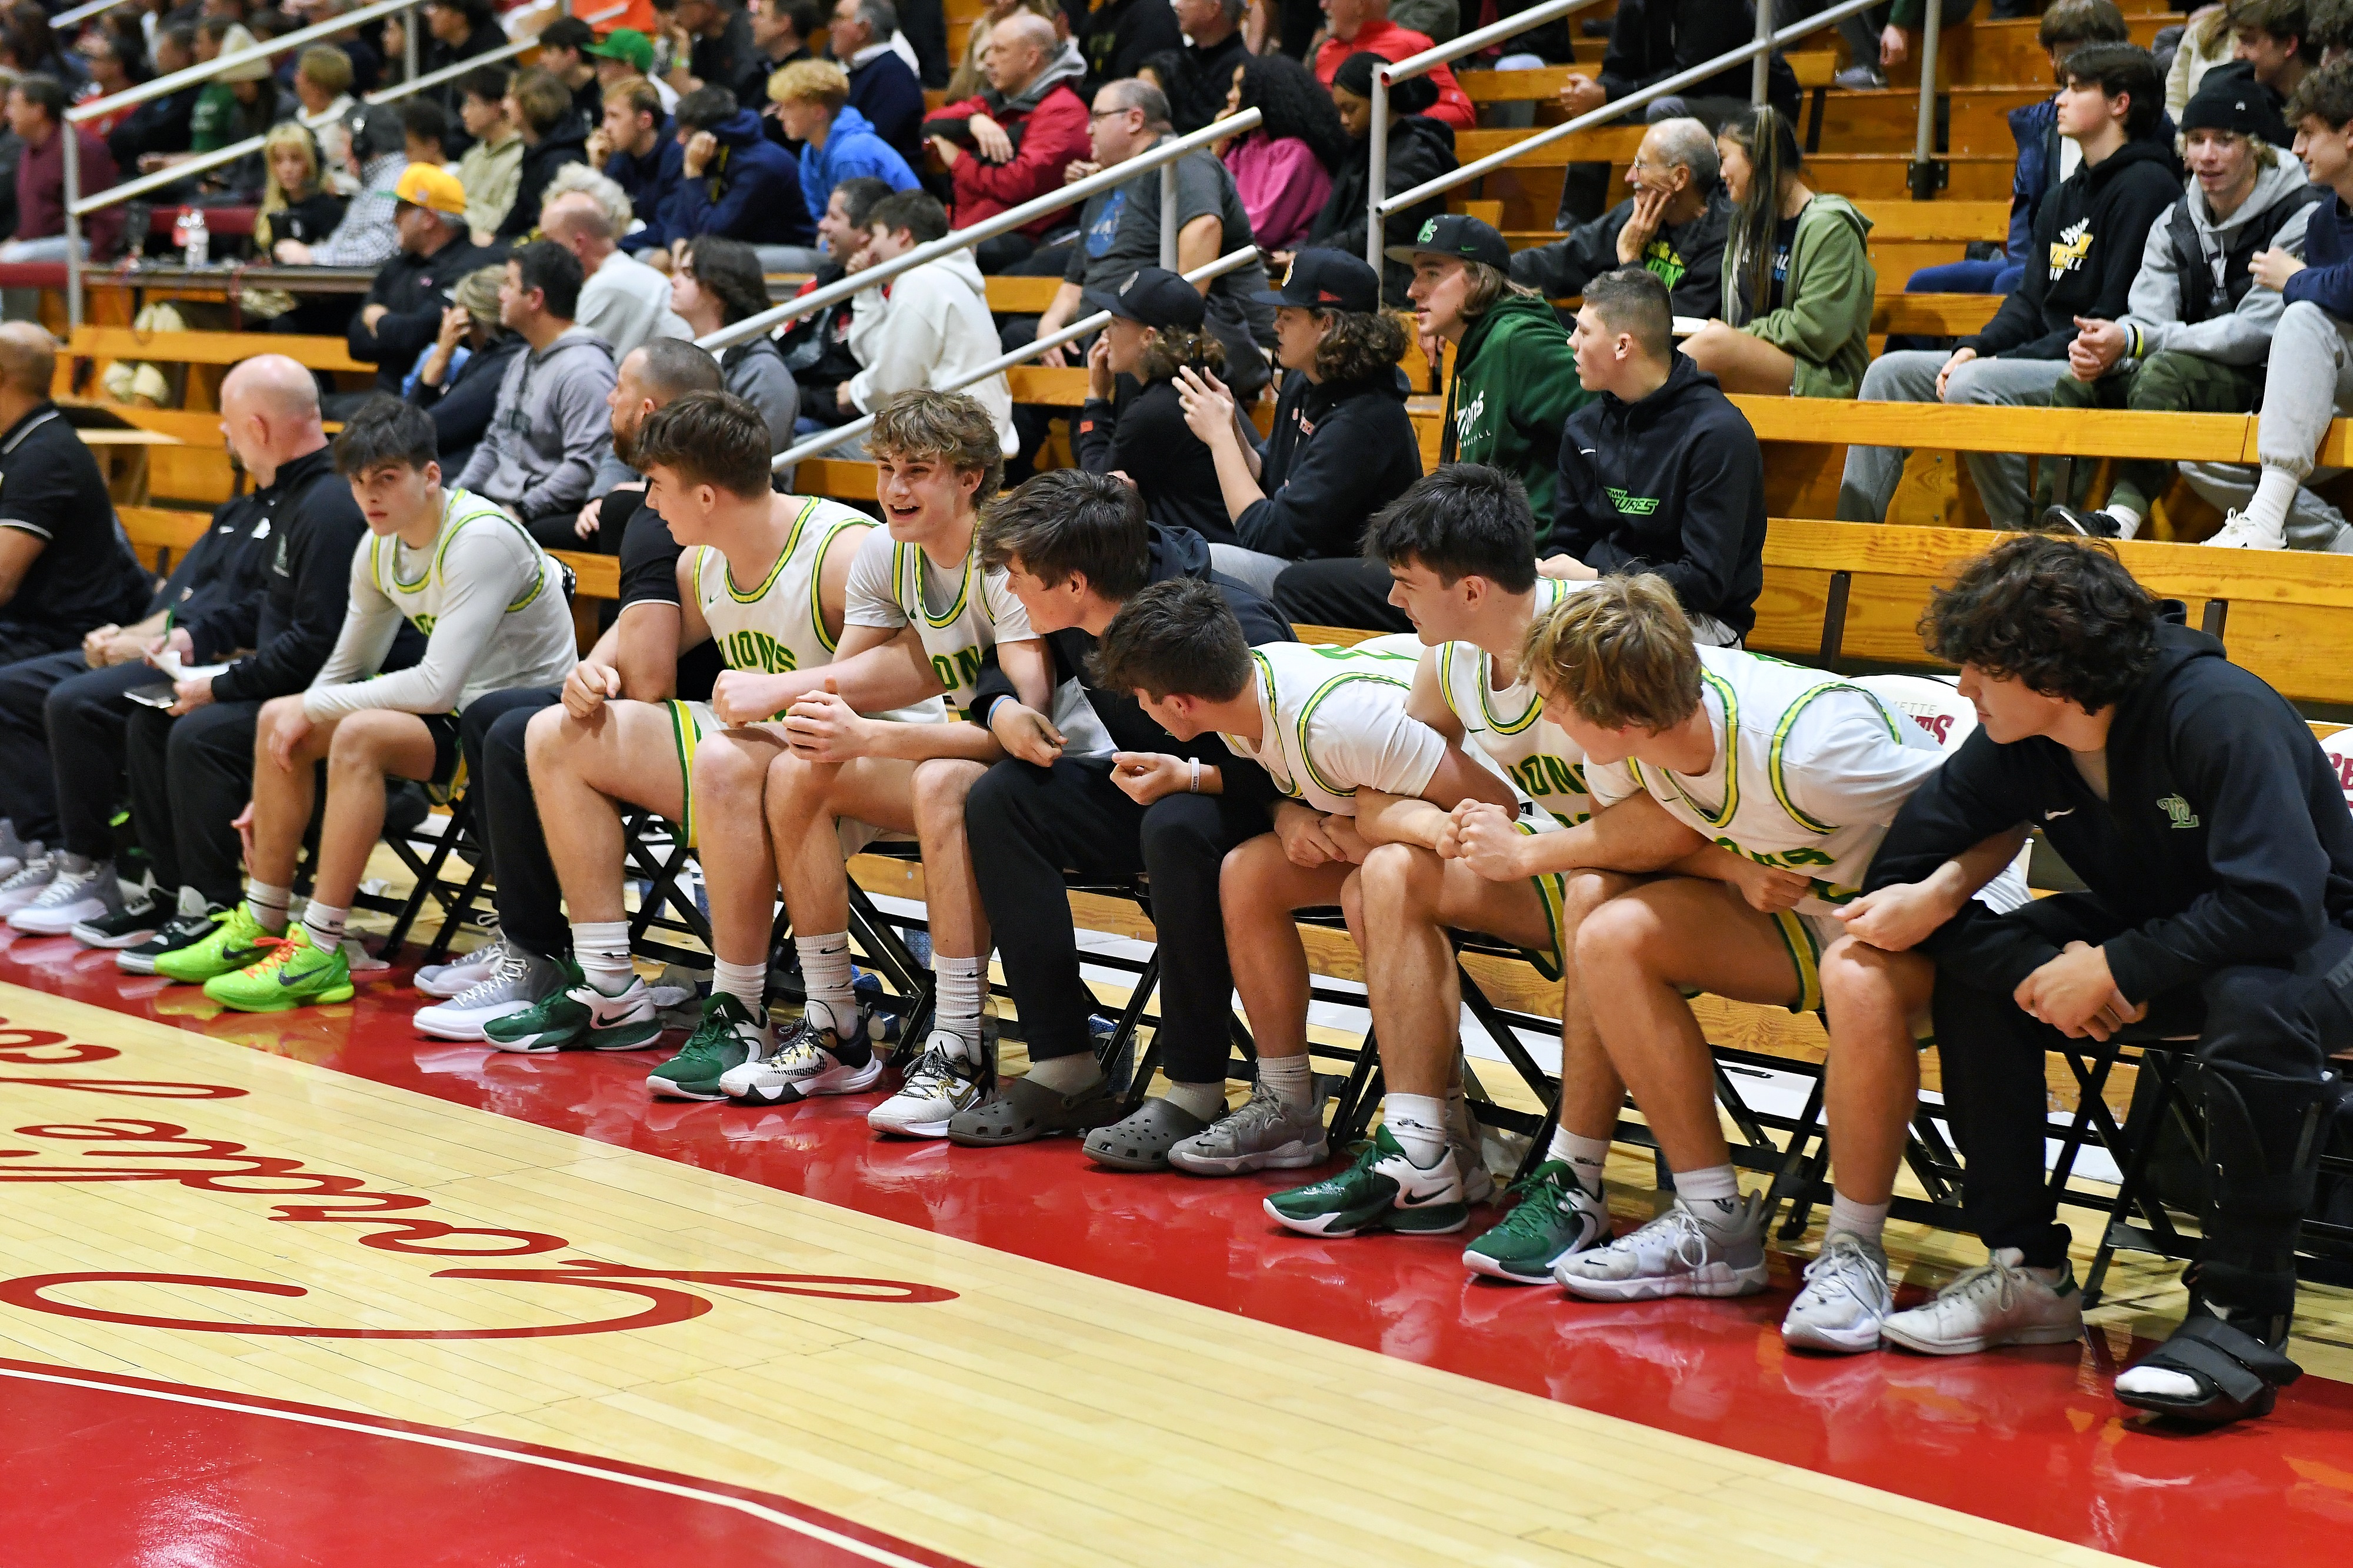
x=2061, y=616
x=1361, y=345
x=1294, y=103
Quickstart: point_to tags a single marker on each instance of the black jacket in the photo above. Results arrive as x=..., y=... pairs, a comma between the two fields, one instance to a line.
x=1674, y=484
x=1176, y=552
x=1689, y=259
x=1149, y=441
x=1421, y=149
x=308, y=586
x=567, y=144
x=413, y=291
x=1340, y=451
x=2088, y=235
x=1198, y=79
x=1651, y=40
x=2224, y=839
x=1118, y=36
x=159, y=125
x=212, y=592
x=462, y=407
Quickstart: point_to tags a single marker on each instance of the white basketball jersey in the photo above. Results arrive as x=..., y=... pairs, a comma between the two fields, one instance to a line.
x=1332, y=719
x=1744, y=802
x=421, y=601
x=1506, y=725
x=777, y=625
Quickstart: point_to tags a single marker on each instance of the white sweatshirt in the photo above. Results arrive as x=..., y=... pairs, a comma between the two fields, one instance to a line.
x=933, y=330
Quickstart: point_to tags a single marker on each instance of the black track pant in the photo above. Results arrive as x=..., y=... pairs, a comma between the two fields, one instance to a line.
x=1341, y=591
x=529, y=901
x=189, y=778
x=87, y=714
x=2259, y=1024
x=28, y=786
x=1028, y=825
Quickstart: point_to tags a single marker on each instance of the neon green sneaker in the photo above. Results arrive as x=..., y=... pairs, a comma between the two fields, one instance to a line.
x=576, y=1015
x=291, y=973
x=236, y=941
x=1384, y=1190
x=728, y=1036
x=1556, y=1219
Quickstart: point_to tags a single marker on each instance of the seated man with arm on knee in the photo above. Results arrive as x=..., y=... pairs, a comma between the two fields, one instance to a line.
x=1330, y=726
x=2089, y=233
x=2212, y=835
x=490, y=605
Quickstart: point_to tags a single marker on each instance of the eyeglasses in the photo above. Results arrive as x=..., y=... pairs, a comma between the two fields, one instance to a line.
x=1103, y=114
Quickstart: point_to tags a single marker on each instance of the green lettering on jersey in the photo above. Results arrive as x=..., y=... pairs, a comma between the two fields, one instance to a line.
x=750, y=648
x=424, y=623
x=1631, y=505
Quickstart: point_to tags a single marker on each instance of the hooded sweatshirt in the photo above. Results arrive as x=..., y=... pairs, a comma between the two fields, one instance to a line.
x=929, y=327
x=1421, y=149
x=566, y=143
x=2326, y=280
x=1688, y=258
x=2224, y=839
x=851, y=150
x=2176, y=279
x=1824, y=321
x=2089, y=236
x=1515, y=385
x=1674, y=484
x=650, y=182
x=1047, y=124
x=1147, y=440
x=751, y=191
x=558, y=393
x=1340, y=452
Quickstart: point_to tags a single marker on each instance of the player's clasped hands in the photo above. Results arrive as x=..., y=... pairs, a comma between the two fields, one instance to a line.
x=1895, y=918
x=1483, y=837
x=1769, y=889
x=1309, y=838
x=745, y=697
x=822, y=728
x=588, y=687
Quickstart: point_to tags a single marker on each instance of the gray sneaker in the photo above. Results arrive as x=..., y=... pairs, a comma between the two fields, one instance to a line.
x=27, y=883
x=1675, y=1255
x=462, y=973
x=521, y=979
x=15, y=853
x=1845, y=1298
x=77, y=893
x=1266, y=1133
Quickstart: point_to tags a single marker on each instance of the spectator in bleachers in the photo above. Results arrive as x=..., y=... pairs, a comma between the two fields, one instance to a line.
x=323, y=86
x=882, y=84
x=563, y=46
x=931, y=328
x=537, y=461
x=1198, y=76
x=2193, y=343
x=295, y=205
x=431, y=251
x=636, y=152
x=457, y=381
x=781, y=30
x=456, y=31
x=1675, y=224
x=1343, y=445
x=816, y=346
x=1651, y=40
x=736, y=184
x=424, y=130
x=160, y=125
x=1284, y=170
x=2088, y=239
x=36, y=108
x=1894, y=44
x=238, y=104
x=1155, y=326
x=1012, y=142
x=65, y=565
x=1358, y=27
x=1515, y=378
x=1419, y=149
x=2206, y=42
x=1659, y=473
x=721, y=52
x=492, y=167
x=37, y=51
x=2328, y=27
x=968, y=77
x=2309, y=378
x=1797, y=280
x=624, y=302
x=717, y=283
x=2268, y=46
x=541, y=109
x=110, y=73
x=812, y=99
x=1117, y=37
x=626, y=54
x=2045, y=158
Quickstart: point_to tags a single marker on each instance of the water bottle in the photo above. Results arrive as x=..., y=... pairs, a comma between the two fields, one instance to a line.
x=196, y=242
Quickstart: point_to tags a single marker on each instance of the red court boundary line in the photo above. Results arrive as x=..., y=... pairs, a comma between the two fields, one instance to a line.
x=800, y=1519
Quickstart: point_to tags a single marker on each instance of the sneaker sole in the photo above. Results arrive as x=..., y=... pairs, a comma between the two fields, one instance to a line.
x=468, y=1034
x=912, y=1129
x=45, y=928
x=1658, y=1288
x=91, y=936
x=2050, y=1336
x=1438, y=1219
x=670, y=1088
x=1291, y=1156
x=1851, y=1342
x=1487, y=1268
x=852, y=1081
x=324, y=998
x=135, y=962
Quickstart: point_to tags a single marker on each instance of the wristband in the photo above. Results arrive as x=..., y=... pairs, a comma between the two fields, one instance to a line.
x=1196, y=786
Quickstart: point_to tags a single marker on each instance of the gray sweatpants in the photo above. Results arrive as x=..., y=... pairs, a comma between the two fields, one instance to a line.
x=1909, y=375
x=2309, y=382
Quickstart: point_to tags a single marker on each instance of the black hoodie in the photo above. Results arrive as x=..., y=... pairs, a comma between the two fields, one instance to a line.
x=413, y=291
x=1674, y=484
x=1421, y=149
x=567, y=143
x=1176, y=552
x=2088, y=235
x=1340, y=452
x=2224, y=839
x=1147, y=440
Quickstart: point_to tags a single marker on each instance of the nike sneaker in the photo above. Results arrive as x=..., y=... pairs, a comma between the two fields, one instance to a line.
x=237, y=941
x=1384, y=1190
x=809, y=1059
x=951, y=1076
x=290, y=973
x=1554, y=1218
x=195, y=921
x=729, y=1036
x=2002, y=1302
x=1265, y=1132
x=1675, y=1255
x=576, y=1015
x=1845, y=1298
x=77, y=893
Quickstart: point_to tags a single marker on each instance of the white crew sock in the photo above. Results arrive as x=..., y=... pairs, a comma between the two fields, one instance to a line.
x=1867, y=1222
x=2127, y=521
x=1206, y=1101
x=325, y=923
x=827, y=977
x=2274, y=493
x=1291, y=1078
x=1066, y=1075
x=1586, y=1157
x=747, y=983
x=268, y=903
x=961, y=985
x=1417, y=1122
x=1712, y=1196
x=601, y=949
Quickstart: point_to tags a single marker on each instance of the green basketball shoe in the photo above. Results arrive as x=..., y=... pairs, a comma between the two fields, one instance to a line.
x=1384, y=1190
x=291, y=973
x=728, y=1036
x=1556, y=1217
x=237, y=941
x=576, y=1015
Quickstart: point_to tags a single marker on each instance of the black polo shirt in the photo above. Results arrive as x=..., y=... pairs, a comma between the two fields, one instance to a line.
x=86, y=574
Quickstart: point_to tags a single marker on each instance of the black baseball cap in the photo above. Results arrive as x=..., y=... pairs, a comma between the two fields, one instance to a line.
x=1454, y=234
x=1153, y=296
x=1323, y=279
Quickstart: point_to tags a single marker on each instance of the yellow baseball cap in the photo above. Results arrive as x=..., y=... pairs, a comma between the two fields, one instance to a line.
x=436, y=190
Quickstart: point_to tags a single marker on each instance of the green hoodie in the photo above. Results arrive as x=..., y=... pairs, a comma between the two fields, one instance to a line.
x=1515, y=385
x=1825, y=314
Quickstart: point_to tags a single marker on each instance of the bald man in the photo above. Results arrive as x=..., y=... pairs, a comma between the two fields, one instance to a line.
x=623, y=301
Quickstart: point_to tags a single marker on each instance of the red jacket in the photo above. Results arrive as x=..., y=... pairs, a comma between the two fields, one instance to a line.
x=41, y=190
x=1394, y=43
x=1048, y=139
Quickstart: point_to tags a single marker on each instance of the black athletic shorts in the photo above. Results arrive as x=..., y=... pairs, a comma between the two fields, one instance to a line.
x=443, y=727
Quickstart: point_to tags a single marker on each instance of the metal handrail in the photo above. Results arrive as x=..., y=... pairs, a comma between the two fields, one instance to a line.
x=1926, y=171
x=1614, y=109
x=82, y=12
x=825, y=441
x=1163, y=156
x=491, y=57
x=205, y=70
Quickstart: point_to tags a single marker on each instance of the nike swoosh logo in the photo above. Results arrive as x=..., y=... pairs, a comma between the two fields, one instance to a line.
x=285, y=979
x=241, y=956
x=1412, y=1202
x=2054, y=816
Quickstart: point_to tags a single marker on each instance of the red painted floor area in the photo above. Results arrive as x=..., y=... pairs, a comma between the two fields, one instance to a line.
x=124, y=1472
x=2029, y=1438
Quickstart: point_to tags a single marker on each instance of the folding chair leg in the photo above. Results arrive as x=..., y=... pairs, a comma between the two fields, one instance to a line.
x=1121, y=1044
x=461, y=818
x=1810, y=1125
x=2140, y=1150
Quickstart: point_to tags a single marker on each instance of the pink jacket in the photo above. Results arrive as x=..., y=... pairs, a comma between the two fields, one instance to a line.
x=1283, y=187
